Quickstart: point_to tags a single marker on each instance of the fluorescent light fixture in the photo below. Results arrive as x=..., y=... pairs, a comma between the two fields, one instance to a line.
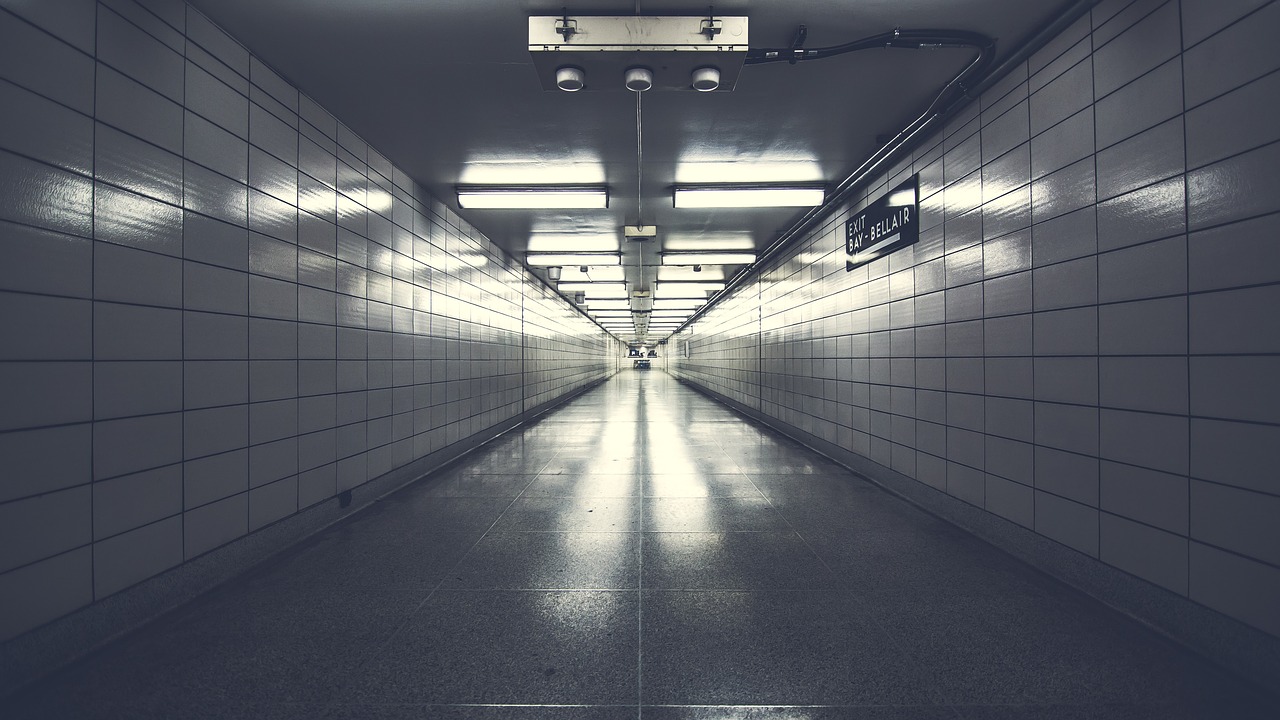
x=594, y=273
x=573, y=243
x=746, y=196
x=692, y=304
x=687, y=289
x=708, y=258
x=587, y=286
x=609, y=290
x=571, y=259
x=612, y=314
x=708, y=242
x=533, y=196
x=599, y=304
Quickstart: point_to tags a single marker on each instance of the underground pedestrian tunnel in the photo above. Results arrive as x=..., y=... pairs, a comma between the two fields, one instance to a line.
x=387, y=359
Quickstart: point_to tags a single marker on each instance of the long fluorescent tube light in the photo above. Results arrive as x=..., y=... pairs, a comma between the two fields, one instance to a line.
x=738, y=196
x=579, y=243
x=587, y=286
x=692, y=304
x=603, y=304
x=708, y=258
x=682, y=291
x=705, y=286
x=533, y=196
x=609, y=290
x=571, y=259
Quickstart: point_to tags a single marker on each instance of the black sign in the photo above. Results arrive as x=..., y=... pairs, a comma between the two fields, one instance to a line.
x=889, y=223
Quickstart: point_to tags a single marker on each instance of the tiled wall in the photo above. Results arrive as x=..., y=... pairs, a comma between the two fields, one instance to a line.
x=218, y=306
x=1085, y=340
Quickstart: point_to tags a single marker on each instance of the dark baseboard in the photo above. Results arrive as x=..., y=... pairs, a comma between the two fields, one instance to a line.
x=1239, y=648
x=41, y=651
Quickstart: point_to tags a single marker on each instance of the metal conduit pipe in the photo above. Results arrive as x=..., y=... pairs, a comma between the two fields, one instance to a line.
x=940, y=108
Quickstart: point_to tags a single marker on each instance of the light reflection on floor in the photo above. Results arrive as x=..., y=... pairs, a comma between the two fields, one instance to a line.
x=641, y=552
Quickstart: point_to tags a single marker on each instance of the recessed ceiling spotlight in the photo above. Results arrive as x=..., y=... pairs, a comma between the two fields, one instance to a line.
x=570, y=78
x=639, y=79
x=706, y=79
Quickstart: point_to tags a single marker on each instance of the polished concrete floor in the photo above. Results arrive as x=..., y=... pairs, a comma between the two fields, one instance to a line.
x=641, y=551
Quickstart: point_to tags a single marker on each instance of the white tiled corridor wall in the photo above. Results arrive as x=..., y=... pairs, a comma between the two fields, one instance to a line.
x=218, y=306
x=1085, y=339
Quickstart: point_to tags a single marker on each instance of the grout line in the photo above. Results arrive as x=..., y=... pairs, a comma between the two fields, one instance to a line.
x=93, y=313
x=182, y=301
x=640, y=427
x=1186, y=228
x=1097, y=323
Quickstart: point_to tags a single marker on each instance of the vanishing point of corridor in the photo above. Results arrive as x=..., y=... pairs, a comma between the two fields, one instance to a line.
x=641, y=552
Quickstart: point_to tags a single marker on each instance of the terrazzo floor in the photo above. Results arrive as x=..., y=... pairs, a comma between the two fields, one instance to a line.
x=642, y=552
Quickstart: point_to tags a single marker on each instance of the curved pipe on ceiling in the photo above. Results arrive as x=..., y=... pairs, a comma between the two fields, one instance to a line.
x=955, y=94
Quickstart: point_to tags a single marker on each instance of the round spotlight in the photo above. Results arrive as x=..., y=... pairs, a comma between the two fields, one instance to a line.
x=553, y=274
x=570, y=79
x=706, y=79
x=639, y=79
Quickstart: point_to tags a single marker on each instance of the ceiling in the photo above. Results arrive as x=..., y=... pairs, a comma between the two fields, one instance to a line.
x=446, y=89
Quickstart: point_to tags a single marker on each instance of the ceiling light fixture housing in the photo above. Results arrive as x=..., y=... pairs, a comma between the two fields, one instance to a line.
x=748, y=195
x=696, y=259
x=571, y=259
x=638, y=79
x=673, y=48
x=705, y=79
x=570, y=78
x=687, y=290
x=534, y=197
